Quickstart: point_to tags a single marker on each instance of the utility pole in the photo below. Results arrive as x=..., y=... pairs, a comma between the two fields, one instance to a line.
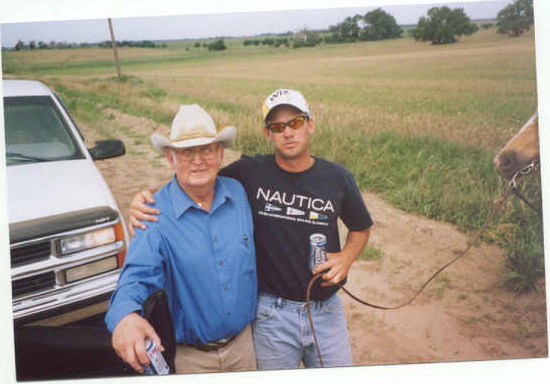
x=113, y=43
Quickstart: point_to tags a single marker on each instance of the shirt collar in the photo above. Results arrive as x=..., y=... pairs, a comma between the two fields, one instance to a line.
x=182, y=202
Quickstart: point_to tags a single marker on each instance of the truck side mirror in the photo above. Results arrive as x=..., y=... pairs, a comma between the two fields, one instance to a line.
x=105, y=149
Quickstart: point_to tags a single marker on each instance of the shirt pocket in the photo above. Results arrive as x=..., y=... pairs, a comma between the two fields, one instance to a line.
x=245, y=241
x=246, y=245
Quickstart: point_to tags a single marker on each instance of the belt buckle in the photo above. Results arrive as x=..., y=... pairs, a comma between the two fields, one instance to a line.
x=214, y=345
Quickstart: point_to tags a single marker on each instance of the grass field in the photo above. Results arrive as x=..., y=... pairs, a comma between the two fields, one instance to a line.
x=417, y=123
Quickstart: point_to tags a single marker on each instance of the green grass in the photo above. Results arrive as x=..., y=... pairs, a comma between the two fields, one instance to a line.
x=93, y=101
x=441, y=180
x=370, y=253
x=416, y=123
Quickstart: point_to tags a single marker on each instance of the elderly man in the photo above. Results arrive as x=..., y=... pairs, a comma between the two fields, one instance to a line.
x=200, y=251
x=294, y=195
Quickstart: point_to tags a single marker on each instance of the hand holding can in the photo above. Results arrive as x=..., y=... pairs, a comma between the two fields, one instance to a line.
x=317, y=250
x=158, y=365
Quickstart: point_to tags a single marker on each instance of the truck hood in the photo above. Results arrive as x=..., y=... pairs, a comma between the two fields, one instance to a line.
x=44, y=189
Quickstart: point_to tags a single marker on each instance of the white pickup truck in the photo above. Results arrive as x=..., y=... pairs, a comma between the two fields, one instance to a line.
x=67, y=236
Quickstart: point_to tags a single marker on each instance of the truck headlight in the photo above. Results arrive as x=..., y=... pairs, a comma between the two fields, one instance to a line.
x=87, y=240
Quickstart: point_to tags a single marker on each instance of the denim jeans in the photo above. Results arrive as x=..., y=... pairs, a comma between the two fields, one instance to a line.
x=283, y=338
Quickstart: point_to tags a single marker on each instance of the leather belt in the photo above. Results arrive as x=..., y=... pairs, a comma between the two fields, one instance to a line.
x=213, y=345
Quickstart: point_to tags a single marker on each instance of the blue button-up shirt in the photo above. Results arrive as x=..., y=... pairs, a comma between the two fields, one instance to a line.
x=205, y=261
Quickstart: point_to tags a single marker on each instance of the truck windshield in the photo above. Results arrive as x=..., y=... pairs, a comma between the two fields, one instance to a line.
x=35, y=131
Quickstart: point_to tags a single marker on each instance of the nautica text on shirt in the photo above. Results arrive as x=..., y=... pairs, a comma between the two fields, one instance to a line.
x=304, y=202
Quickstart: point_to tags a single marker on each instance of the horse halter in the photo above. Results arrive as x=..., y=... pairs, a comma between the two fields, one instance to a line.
x=533, y=166
x=513, y=184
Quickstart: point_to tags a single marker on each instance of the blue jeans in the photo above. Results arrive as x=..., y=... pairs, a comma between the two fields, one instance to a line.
x=283, y=338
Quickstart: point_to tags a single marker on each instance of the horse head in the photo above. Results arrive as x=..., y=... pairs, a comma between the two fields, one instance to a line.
x=521, y=150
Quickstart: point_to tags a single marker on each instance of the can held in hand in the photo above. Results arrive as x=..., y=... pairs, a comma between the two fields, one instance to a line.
x=158, y=364
x=317, y=250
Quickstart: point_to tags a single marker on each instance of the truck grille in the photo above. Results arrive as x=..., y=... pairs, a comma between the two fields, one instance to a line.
x=33, y=284
x=30, y=253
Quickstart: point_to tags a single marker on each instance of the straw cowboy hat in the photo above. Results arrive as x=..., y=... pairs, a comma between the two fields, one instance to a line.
x=193, y=126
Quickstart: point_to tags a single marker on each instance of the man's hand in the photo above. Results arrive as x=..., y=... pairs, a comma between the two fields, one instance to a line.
x=140, y=211
x=335, y=269
x=129, y=340
x=337, y=266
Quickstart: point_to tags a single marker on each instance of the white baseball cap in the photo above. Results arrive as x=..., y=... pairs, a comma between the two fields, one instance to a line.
x=193, y=126
x=285, y=97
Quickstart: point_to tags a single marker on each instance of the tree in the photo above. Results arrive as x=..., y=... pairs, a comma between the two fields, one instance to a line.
x=379, y=25
x=346, y=31
x=218, y=45
x=20, y=46
x=305, y=38
x=375, y=25
x=443, y=26
x=282, y=41
x=516, y=18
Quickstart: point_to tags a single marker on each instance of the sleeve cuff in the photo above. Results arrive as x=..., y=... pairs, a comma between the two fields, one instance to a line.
x=115, y=314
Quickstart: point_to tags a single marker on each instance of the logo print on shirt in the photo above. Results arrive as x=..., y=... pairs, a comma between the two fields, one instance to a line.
x=300, y=209
x=317, y=216
x=294, y=200
x=272, y=208
x=294, y=212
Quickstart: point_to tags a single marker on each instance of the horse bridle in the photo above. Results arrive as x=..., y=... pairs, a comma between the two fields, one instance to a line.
x=513, y=184
x=512, y=187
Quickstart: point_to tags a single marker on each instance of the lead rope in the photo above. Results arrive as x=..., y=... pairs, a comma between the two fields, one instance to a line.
x=512, y=186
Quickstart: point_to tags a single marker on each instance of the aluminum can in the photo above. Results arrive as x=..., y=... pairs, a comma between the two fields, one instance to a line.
x=317, y=250
x=158, y=364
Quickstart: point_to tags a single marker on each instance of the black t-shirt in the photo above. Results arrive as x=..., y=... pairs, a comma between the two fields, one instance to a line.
x=287, y=208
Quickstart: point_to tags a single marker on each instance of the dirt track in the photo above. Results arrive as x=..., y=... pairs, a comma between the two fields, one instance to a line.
x=462, y=315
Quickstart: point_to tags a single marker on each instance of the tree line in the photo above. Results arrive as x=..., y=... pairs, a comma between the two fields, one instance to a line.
x=32, y=45
x=218, y=45
x=375, y=25
x=269, y=41
x=441, y=25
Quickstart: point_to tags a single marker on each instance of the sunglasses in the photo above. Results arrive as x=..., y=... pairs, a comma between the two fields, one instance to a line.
x=295, y=123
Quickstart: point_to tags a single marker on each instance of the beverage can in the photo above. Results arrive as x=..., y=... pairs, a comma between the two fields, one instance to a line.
x=158, y=364
x=317, y=250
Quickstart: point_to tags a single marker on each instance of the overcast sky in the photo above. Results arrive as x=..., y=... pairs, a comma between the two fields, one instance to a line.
x=178, y=26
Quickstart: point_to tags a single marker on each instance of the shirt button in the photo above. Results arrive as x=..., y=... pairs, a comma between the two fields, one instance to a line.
x=221, y=263
x=215, y=239
x=229, y=313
